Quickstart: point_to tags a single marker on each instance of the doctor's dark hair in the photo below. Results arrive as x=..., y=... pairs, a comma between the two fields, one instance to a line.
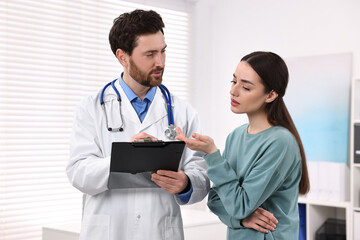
x=275, y=76
x=129, y=26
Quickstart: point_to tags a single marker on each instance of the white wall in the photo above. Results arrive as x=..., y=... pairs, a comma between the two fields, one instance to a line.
x=226, y=30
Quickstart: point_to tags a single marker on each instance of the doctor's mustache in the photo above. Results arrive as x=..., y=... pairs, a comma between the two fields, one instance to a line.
x=157, y=69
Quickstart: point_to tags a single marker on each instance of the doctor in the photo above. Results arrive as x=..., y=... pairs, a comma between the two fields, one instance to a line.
x=140, y=206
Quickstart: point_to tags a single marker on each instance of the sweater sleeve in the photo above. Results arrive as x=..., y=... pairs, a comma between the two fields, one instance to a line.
x=266, y=176
x=217, y=207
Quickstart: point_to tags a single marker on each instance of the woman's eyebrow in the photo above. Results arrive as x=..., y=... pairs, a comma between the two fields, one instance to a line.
x=243, y=80
x=247, y=81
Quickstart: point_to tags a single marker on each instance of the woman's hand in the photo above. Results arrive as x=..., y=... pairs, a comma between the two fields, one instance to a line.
x=199, y=143
x=260, y=220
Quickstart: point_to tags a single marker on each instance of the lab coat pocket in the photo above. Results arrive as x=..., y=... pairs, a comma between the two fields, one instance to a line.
x=95, y=227
x=174, y=228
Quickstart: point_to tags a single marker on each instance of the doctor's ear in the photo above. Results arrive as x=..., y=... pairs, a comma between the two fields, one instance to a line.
x=272, y=95
x=122, y=57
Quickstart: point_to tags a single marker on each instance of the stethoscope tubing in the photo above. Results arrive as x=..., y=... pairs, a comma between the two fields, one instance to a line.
x=163, y=89
x=112, y=83
x=167, y=96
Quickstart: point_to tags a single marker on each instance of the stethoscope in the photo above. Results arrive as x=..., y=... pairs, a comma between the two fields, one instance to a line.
x=170, y=132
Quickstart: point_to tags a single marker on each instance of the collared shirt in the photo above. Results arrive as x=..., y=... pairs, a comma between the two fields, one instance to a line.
x=141, y=108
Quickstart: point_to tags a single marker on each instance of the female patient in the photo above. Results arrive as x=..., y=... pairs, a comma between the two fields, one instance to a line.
x=263, y=165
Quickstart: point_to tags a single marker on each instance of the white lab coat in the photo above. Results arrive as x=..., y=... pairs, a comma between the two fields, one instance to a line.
x=129, y=213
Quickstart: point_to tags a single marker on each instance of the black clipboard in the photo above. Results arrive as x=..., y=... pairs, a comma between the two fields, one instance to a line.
x=139, y=157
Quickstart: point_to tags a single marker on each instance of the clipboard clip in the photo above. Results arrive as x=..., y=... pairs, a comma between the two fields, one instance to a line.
x=148, y=142
x=147, y=139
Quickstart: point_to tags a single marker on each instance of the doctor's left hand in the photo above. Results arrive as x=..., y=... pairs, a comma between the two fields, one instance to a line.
x=172, y=182
x=141, y=136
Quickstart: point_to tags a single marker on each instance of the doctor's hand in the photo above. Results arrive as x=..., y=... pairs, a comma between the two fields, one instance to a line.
x=172, y=182
x=141, y=136
x=260, y=220
x=199, y=143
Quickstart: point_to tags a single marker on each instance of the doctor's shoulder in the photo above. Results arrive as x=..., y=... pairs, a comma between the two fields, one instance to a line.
x=183, y=108
x=88, y=103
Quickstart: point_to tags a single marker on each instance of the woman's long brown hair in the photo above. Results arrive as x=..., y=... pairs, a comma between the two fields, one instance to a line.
x=275, y=76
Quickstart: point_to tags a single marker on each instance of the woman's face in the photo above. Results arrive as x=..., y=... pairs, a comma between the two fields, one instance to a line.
x=247, y=92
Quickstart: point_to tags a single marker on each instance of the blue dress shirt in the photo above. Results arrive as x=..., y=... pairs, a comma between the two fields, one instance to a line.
x=141, y=106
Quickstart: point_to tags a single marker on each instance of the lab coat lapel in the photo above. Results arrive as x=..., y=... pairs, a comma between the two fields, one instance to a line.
x=156, y=112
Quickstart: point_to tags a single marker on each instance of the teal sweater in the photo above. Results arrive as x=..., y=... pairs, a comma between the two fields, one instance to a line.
x=256, y=170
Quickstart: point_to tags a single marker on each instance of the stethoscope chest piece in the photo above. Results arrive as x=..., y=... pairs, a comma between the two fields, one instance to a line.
x=170, y=133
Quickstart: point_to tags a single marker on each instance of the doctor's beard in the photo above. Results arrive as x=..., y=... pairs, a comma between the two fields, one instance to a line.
x=144, y=78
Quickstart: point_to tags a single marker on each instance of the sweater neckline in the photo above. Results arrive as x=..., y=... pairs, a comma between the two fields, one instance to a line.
x=259, y=133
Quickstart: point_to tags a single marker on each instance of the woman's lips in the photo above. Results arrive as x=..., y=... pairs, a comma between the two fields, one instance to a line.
x=234, y=103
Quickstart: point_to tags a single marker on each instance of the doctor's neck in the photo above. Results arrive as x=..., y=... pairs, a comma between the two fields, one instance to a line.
x=139, y=89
